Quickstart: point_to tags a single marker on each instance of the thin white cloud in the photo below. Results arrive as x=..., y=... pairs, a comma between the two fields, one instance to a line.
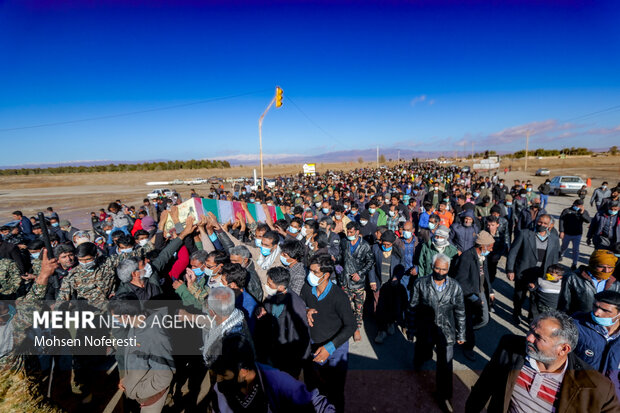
x=419, y=99
x=604, y=131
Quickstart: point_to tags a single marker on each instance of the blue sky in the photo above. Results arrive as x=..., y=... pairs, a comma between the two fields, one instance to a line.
x=423, y=75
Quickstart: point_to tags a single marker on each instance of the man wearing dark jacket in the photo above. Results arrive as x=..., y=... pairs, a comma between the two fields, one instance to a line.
x=282, y=335
x=240, y=378
x=599, y=335
x=521, y=366
x=356, y=259
x=579, y=288
x=544, y=190
x=472, y=274
x=437, y=315
x=435, y=196
x=499, y=192
x=604, y=229
x=599, y=194
x=463, y=233
x=385, y=277
x=571, y=228
x=532, y=252
x=528, y=217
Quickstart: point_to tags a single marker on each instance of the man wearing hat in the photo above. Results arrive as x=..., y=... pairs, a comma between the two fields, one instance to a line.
x=579, y=288
x=438, y=244
x=472, y=273
x=571, y=228
x=385, y=277
x=531, y=253
x=599, y=333
x=66, y=227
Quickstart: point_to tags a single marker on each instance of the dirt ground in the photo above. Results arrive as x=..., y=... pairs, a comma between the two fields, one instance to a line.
x=73, y=196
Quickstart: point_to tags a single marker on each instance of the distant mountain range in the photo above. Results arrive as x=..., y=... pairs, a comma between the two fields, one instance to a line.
x=368, y=155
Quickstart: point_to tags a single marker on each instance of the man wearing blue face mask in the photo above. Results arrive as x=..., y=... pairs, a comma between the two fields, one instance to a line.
x=331, y=324
x=324, y=211
x=356, y=259
x=472, y=273
x=604, y=229
x=389, y=294
x=599, y=333
x=531, y=254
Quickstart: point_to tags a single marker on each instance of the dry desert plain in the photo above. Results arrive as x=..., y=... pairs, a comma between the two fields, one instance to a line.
x=73, y=196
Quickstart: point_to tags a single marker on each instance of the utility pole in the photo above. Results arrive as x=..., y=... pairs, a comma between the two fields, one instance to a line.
x=377, y=156
x=527, y=143
x=399, y=156
x=472, y=151
x=277, y=99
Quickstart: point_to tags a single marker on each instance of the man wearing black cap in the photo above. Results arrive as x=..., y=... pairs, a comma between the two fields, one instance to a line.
x=571, y=228
x=599, y=335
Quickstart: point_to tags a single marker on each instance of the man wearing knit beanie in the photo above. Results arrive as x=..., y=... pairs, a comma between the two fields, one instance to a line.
x=581, y=286
x=438, y=244
x=472, y=273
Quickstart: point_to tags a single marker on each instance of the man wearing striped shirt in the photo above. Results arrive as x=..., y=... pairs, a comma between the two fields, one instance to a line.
x=540, y=373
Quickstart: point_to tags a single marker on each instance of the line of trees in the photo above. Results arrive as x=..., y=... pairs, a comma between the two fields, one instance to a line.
x=147, y=166
x=551, y=152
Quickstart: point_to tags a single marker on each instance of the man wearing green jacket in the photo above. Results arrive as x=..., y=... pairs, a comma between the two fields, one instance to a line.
x=437, y=244
x=377, y=215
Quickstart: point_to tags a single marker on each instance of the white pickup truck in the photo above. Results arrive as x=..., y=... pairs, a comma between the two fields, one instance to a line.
x=156, y=193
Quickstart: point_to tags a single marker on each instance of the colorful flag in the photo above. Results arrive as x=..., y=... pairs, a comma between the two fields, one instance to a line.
x=210, y=205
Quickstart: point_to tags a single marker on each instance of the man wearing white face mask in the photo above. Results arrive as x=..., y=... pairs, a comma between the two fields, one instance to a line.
x=331, y=324
x=439, y=243
x=292, y=257
x=136, y=277
x=282, y=335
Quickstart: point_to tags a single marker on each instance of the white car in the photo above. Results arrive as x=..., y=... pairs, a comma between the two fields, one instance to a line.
x=156, y=193
x=566, y=185
x=196, y=181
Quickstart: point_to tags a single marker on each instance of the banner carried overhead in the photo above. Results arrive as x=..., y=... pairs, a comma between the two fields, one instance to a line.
x=224, y=211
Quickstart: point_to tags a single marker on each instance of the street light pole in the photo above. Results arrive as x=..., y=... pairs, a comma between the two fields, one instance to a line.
x=277, y=99
x=527, y=143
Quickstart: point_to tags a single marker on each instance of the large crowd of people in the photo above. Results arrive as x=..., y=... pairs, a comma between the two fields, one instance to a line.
x=413, y=248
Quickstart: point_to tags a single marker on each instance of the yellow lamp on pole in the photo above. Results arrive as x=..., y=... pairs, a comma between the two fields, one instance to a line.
x=277, y=99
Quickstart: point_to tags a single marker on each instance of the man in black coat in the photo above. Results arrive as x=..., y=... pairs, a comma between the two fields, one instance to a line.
x=532, y=252
x=571, y=228
x=390, y=296
x=472, y=273
x=437, y=315
x=356, y=260
x=435, y=196
x=520, y=364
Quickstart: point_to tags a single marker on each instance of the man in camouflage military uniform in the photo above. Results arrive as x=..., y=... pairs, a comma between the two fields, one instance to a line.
x=94, y=278
x=9, y=277
x=21, y=392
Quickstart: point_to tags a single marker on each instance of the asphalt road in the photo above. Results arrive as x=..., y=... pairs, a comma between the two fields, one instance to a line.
x=381, y=376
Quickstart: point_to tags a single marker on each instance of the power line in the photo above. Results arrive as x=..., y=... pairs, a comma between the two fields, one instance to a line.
x=312, y=121
x=137, y=112
x=598, y=112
